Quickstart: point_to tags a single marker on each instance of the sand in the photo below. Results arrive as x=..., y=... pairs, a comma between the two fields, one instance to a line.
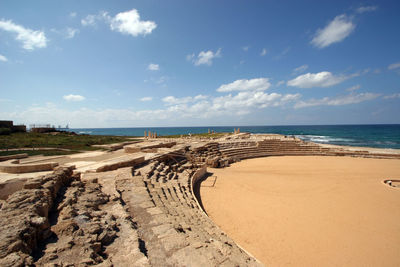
x=309, y=211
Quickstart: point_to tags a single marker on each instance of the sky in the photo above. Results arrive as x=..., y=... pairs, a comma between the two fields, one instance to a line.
x=97, y=63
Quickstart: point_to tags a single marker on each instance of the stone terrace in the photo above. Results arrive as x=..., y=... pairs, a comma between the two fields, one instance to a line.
x=139, y=208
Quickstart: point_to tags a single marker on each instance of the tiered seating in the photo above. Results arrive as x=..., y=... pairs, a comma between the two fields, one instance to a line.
x=271, y=147
x=239, y=144
x=174, y=230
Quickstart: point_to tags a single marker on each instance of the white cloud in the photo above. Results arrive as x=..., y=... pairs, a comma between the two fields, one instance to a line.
x=160, y=80
x=67, y=33
x=263, y=52
x=171, y=100
x=321, y=79
x=200, y=97
x=30, y=39
x=129, y=23
x=147, y=98
x=258, y=84
x=336, y=31
x=245, y=100
x=73, y=98
x=89, y=20
x=364, y=9
x=290, y=97
x=300, y=69
x=395, y=95
x=70, y=33
x=353, y=88
x=3, y=58
x=394, y=66
x=72, y=14
x=245, y=48
x=337, y=101
x=280, y=83
x=190, y=57
x=153, y=66
x=204, y=57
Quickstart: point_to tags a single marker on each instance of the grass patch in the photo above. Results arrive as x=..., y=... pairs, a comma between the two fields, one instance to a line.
x=60, y=140
x=39, y=152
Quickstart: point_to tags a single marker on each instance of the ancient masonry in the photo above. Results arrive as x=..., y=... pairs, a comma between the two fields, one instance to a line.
x=144, y=211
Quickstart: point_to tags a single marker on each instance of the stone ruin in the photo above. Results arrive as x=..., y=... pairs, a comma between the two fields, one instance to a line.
x=144, y=215
x=150, y=135
x=144, y=212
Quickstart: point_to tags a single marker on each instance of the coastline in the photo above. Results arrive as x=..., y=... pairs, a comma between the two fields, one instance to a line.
x=369, y=149
x=369, y=135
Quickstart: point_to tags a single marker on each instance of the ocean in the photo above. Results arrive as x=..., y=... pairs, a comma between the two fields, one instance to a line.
x=379, y=136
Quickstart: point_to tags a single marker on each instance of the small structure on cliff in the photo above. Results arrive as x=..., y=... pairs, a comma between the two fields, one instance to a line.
x=12, y=128
x=42, y=128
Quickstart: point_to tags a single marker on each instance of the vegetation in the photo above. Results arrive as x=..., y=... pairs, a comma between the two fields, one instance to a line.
x=61, y=140
x=5, y=131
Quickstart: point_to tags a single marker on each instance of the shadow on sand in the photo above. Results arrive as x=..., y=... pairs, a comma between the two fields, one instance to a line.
x=208, y=180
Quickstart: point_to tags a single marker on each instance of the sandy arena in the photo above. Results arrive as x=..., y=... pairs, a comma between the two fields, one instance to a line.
x=309, y=210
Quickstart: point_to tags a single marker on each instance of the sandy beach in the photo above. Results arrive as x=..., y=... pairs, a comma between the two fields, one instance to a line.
x=309, y=210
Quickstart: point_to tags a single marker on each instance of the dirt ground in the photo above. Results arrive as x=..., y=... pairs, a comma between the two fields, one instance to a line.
x=309, y=210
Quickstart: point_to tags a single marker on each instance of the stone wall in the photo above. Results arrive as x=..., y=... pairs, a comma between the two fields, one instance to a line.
x=24, y=217
x=13, y=166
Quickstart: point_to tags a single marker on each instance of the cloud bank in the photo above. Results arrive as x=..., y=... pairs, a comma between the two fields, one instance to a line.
x=337, y=101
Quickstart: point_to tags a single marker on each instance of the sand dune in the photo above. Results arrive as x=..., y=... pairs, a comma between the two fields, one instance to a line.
x=310, y=211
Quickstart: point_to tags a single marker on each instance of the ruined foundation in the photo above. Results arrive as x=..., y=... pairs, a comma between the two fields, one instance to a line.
x=138, y=210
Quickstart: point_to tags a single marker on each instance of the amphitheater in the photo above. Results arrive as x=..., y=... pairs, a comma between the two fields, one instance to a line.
x=138, y=205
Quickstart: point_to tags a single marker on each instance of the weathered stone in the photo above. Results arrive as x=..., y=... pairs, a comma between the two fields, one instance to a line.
x=10, y=186
x=40, y=222
x=24, y=220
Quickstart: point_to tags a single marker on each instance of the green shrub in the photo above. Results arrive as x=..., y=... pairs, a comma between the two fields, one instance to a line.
x=5, y=131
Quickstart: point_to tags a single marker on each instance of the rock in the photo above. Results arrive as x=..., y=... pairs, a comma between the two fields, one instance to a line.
x=33, y=183
x=40, y=222
x=107, y=237
x=24, y=218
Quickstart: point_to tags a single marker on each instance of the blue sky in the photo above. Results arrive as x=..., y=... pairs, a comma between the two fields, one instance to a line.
x=198, y=63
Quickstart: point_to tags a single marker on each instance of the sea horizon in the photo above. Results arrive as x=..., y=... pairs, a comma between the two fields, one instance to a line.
x=359, y=135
